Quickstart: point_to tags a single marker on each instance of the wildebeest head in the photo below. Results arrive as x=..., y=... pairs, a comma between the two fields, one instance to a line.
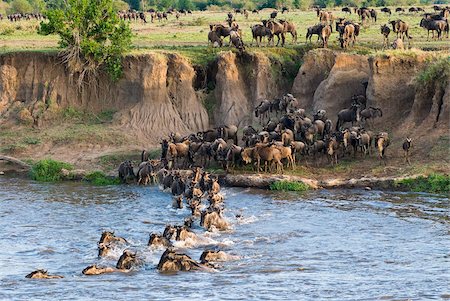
x=37, y=274
x=170, y=232
x=126, y=260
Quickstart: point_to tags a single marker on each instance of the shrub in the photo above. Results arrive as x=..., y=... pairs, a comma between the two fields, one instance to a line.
x=434, y=183
x=98, y=178
x=92, y=35
x=437, y=72
x=289, y=186
x=48, y=170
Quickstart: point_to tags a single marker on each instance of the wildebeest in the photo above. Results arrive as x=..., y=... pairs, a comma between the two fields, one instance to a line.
x=325, y=35
x=277, y=30
x=126, y=171
x=316, y=29
x=348, y=36
x=42, y=274
x=400, y=28
x=290, y=27
x=127, y=260
x=260, y=31
x=348, y=115
x=347, y=10
x=385, y=31
x=434, y=25
x=406, y=147
x=386, y=10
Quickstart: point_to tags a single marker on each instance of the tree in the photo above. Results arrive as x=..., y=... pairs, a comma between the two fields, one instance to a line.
x=92, y=35
x=38, y=5
x=20, y=6
x=120, y=5
x=185, y=4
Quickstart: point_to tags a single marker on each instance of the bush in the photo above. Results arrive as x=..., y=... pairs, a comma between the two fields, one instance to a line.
x=92, y=35
x=437, y=72
x=48, y=170
x=434, y=183
x=289, y=186
x=20, y=6
x=98, y=178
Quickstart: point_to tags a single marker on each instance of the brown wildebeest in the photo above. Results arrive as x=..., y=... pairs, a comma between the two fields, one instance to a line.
x=326, y=17
x=332, y=148
x=178, y=151
x=157, y=240
x=277, y=29
x=348, y=36
x=401, y=29
x=382, y=142
x=109, y=237
x=42, y=274
x=269, y=154
x=290, y=27
x=127, y=260
x=96, y=270
x=325, y=35
x=173, y=262
x=214, y=219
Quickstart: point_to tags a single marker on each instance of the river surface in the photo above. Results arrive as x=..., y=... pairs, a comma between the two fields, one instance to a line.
x=319, y=245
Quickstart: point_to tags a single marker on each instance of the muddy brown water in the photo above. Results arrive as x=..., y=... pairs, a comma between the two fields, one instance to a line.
x=334, y=245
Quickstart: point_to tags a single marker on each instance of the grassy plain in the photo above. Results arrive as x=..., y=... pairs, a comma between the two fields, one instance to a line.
x=188, y=35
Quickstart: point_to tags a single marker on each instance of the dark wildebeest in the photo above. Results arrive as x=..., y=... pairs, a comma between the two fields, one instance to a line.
x=385, y=31
x=346, y=10
x=126, y=171
x=260, y=31
x=348, y=115
x=386, y=10
x=316, y=29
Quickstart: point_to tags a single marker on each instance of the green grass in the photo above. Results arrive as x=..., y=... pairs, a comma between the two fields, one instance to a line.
x=437, y=71
x=191, y=31
x=48, y=170
x=289, y=186
x=86, y=117
x=98, y=178
x=435, y=183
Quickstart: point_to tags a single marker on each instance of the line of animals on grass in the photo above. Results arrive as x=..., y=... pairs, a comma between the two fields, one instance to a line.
x=197, y=187
x=287, y=137
x=348, y=30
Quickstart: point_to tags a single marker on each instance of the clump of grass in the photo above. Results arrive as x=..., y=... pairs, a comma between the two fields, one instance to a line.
x=14, y=148
x=437, y=72
x=289, y=186
x=434, y=183
x=74, y=114
x=48, y=170
x=31, y=140
x=200, y=21
x=98, y=178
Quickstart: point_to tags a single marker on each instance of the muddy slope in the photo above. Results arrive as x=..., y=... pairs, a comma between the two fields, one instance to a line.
x=327, y=80
x=160, y=93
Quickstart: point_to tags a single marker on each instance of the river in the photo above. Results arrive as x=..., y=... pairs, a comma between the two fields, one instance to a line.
x=333, y=245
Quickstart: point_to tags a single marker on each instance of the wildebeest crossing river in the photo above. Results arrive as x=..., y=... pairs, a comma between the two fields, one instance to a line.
x=336, y=245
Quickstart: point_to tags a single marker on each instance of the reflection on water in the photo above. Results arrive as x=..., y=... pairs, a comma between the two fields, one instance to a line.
x=338, y=245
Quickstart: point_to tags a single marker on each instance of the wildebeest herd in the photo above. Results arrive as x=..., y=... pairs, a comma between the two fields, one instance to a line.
x=348, y=30
x=285, y=137
x=197, y=188
x=274, y=26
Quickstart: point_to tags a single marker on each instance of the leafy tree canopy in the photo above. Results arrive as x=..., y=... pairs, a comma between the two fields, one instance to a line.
x=92, y=35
